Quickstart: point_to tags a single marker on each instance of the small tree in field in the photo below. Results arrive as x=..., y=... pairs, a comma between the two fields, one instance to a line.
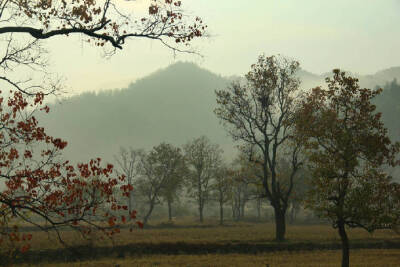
x=222, y=188
x=128, y=161
x=161, y=174
x=347, y=145
x=203, y=160
x=244, y=185
x=175, y=180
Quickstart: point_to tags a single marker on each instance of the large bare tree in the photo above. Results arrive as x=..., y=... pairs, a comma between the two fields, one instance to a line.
x=258, y=113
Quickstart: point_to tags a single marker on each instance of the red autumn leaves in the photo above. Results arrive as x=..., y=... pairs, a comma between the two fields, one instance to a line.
x=107, y=22
x=38, y=184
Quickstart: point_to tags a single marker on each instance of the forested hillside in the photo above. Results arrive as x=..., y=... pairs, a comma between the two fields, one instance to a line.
x=389, y=104
x=174, y=105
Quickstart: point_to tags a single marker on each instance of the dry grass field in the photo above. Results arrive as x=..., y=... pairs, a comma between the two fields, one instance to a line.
x=372, y=258
x=232, y=233
x=189, y=233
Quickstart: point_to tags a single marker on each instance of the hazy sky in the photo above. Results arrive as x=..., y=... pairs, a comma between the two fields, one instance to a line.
x=362, y=36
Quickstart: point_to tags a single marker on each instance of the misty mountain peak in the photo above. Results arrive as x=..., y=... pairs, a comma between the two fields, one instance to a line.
x=173, y=104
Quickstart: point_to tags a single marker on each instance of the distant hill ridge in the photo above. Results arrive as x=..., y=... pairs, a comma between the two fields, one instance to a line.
x=174, y=104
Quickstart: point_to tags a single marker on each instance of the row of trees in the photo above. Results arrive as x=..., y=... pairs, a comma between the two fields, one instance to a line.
x=335, y=133
x=165, y=173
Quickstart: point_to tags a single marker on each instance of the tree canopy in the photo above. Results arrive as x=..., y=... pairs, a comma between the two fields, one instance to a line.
x=347, y=146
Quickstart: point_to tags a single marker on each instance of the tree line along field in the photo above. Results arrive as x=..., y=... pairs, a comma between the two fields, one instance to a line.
x=187, y=243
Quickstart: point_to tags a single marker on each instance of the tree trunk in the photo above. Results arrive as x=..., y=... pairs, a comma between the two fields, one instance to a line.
x=201, y=211
x=146, y=218
x=292, y=214
x=130, y=205
x=200, y=196
x=280, y=224
x=130, y=199
x=221, y=213
x=169, y=210
x=259, y=209
x=243, y=204
x=235, y=210
x=345, y=245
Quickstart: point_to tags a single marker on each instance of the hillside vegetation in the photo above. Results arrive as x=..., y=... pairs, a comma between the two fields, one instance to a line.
x=172, y=105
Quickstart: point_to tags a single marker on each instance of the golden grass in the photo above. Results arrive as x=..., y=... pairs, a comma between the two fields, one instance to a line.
x=240, y=232
x=373, y=258
x=237, y=233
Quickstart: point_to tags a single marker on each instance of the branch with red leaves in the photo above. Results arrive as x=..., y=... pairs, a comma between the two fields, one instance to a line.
x=104, y=22
x=40, y=189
